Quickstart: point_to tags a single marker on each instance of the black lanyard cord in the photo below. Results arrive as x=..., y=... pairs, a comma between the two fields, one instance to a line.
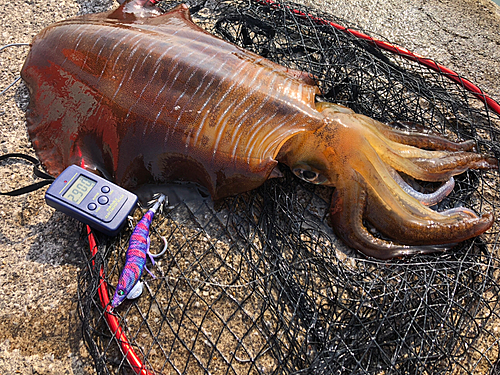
x=36, y=170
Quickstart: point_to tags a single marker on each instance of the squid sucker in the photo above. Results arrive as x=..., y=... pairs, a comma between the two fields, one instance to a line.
x=141, y=96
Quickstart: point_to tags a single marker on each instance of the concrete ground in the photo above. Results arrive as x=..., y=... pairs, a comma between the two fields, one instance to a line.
x=40, y=249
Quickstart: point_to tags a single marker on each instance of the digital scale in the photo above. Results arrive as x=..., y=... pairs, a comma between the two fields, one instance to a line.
x=91, y=199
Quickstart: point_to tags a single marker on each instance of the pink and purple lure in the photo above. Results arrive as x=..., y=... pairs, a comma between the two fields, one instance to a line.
x=129, y=284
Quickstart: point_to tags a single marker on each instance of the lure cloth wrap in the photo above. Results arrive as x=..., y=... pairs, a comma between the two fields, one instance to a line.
x=138, y=247
x=135, y=257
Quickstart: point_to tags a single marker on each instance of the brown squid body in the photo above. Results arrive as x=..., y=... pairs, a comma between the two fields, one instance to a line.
x=140, y=96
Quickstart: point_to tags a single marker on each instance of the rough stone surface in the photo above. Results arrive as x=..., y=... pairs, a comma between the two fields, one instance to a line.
x=41, y=250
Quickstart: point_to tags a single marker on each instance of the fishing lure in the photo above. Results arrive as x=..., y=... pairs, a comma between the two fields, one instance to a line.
x=129, y=284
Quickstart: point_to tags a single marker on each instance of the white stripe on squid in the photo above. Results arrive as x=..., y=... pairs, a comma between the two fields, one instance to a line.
x=112, y=31
x=220, y=129
x=78, y=39
x=257, y=130
x=173, y=70
x=205, y=87
x=256, y=109
x=198, y=85
x=236, y=122
x=99, y=37
x=208, y=100
x=253, y=150
x=286, y=129
x=129, y=56
x=151, y=46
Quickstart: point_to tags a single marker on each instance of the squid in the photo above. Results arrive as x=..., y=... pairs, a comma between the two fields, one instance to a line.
x=141, y=96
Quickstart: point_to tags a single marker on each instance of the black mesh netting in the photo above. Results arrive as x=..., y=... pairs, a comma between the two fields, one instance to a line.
x=259, y=284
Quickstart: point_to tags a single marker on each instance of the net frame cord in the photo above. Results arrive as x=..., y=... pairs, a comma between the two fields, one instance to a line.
x=429, y=63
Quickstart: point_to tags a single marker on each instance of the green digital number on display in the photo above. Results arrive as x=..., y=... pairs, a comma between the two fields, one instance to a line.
x=79, y=190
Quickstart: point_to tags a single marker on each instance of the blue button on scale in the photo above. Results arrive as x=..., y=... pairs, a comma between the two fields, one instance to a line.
x=103, y=199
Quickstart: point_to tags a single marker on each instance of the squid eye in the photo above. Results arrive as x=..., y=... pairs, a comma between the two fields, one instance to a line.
x=120, y=292
x=309, y=176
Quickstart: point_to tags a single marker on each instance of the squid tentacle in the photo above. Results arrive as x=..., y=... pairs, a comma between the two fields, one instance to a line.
x=348, y=224
x=427, y=199
x=398, y=218
x=439, y=169
x=398, y=214
x=417, y=139
x=429, y=165
x=411, y=231
x=455, y=163
x=464, y=211
x=380, y=182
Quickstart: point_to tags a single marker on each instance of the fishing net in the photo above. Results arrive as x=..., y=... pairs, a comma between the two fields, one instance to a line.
x=259, y=284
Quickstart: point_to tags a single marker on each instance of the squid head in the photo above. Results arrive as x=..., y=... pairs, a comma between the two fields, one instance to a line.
x=369, y=164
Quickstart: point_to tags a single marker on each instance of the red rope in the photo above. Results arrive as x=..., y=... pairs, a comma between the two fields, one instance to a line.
x=476, y=91
x=113, y=323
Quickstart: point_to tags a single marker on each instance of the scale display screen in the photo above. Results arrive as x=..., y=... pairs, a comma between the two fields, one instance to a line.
x=80, y=189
